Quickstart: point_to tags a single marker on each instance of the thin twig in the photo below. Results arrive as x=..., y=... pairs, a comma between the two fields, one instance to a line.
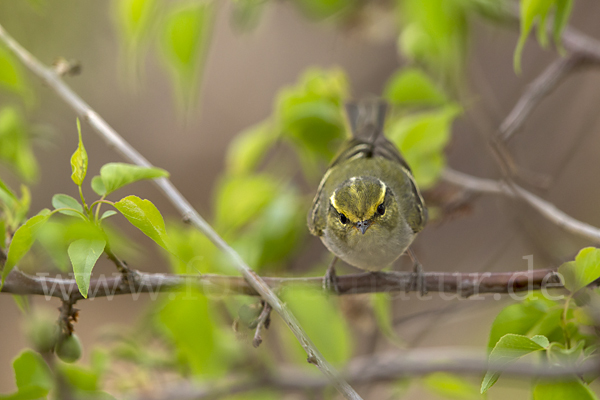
x=263, y=321
x=548, y=210
x=459, y=284
x=547, y=81
x=115, y=141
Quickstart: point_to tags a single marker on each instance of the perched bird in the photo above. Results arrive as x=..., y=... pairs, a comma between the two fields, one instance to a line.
x=368, y=209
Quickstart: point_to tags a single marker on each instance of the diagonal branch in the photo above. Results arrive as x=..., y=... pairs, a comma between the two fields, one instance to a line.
x=458, y=284
x=115, y=141
x=548, y=210
x=547, y=81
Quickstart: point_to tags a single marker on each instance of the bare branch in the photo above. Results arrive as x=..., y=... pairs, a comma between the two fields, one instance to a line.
x=547, y=81
x=383, y=368
x=115, y=141
x=460, y=284
x=545, y=208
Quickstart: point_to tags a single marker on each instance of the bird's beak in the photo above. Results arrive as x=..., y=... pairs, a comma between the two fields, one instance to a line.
x=363, y=226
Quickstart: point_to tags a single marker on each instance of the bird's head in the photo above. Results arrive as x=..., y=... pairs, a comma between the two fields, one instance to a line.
x=361, y=206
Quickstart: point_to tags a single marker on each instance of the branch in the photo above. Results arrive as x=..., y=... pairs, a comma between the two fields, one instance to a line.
x=512, y=190
x=547, y=81
x=383, y=368
x=115, y=141
x=459, y=284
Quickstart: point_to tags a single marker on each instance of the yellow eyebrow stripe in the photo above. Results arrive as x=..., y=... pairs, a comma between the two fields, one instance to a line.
x=373, y=209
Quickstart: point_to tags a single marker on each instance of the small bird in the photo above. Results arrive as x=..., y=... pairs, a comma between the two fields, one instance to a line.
x=368, y=209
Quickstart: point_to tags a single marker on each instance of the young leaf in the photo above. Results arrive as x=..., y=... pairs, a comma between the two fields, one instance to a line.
x=11, y=77
x=508, y=349
x=6, y=195
x=116, y=175
x=518, y=318
x=188, y=321
x=23, y=240
x=83, y=254
x=249, y=147
x=583, y=271
x=16, y=148
x=451, y=386
x=133, y=18
x=412, y=87
x=561, y=17
x=98, y=186
x=79, y=160
x=2, y=233
x=145, y=216
x=324, y=323
x=185, y=42
x=381, y=303
x=33, y=377
x=241, y=198
x=107, y=214
x=561, y=390
x=66, y=201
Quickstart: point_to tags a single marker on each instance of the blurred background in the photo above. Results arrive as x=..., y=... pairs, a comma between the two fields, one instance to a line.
x=247, y=64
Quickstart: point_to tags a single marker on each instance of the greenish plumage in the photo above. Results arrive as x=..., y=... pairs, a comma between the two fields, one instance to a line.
x=367, y=209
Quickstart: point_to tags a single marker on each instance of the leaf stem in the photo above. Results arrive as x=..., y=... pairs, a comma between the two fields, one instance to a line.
x=85, y=207
x=563, y=321
x=99, y=203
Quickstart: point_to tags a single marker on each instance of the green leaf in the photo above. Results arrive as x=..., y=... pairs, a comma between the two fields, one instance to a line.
x=66, y=201
x=561, y=390
x=15, y=146
x=583, y=271
x=249, y=147
x=98, y=186
x=412, y=87
x=83, y=254
x=451, y=386
x=510, y=348
x=79, y=160
x=519, y=319
x=116, y=175
x=33, y=377
x=2, y=234
x=310, y=116
x=561, y=18
x=382, y=307
x=107, y=214
x=434, y=34
x=11, y=77
x=421, y=138
x=56, y=236
x=190, y=324
x=133, y=19
x=145, y=216
x=241, y=198
x=530, y=11
x=80, y=378
x=185, y=40
x=6, y=194
x=23, y=240
x=319, y=314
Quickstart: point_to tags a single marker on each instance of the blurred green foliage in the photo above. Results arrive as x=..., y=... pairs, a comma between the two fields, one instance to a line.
x=559, y=329
x=260, y=201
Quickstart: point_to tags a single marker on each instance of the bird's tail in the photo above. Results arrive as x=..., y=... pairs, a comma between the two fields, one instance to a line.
x=366, y=119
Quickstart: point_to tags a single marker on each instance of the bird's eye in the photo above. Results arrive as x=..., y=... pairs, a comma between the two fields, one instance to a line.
x=381, y=209
x=343, y=219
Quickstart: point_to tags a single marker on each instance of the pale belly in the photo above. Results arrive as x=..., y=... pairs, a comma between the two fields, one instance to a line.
x=370, y=251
